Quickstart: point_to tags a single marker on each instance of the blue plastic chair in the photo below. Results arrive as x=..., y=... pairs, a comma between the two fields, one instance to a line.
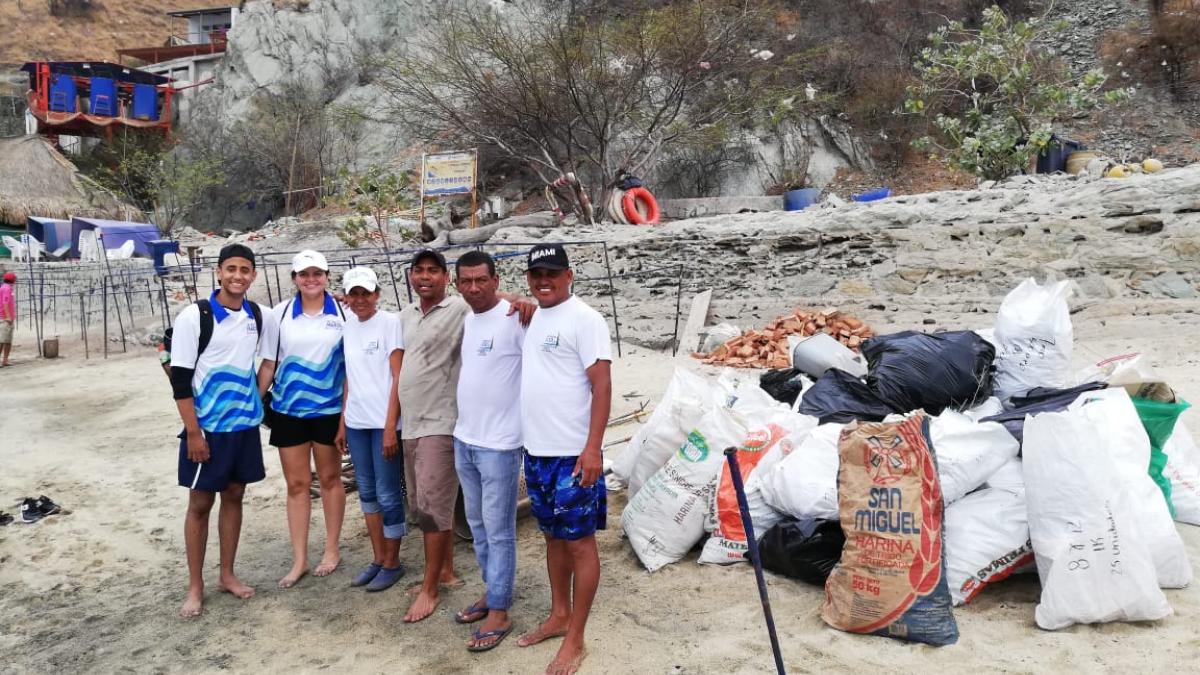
x=62, y=93
x=103, y=99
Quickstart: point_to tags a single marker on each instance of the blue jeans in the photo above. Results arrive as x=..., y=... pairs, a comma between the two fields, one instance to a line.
x=379, y=479
x=489, y=484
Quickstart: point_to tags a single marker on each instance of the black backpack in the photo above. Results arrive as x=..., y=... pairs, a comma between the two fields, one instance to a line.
x=207, y=322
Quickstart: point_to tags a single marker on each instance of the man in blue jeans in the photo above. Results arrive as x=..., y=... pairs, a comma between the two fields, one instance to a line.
x=487, y=442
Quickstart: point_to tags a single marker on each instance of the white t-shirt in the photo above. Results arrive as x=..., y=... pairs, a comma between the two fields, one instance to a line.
x=223, y=386
x=311, y=368
x=489, y=384
x=368, y=346
x=556, y=396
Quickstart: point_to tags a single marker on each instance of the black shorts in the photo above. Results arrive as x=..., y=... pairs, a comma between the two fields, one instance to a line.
x=287, y=431
x=233, y=457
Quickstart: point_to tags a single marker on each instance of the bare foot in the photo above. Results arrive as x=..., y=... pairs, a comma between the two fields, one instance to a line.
x=193, y=605
x=327, y=565
x=295, y=574
x=567, y=660
x=450, y=580
x=421, y=608
x=414, y=590
x=552, y=627
x=234, y=586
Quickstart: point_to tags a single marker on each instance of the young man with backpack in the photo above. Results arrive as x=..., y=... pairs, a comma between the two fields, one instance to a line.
x=212, y=374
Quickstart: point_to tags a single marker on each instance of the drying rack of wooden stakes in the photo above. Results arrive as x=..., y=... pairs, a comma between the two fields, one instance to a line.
x=768, y=348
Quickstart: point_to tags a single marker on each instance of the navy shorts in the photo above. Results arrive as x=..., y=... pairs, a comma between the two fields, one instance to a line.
x=233, y=457
x=564, y=509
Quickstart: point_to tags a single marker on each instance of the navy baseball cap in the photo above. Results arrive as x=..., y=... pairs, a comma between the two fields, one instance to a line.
x=235, y=251
x=549, y=257
x=431, y=253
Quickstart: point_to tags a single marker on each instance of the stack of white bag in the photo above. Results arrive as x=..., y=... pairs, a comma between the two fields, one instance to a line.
x=987, y=534
x=1033, y=339
x=764, y=446
x=803, y=485
x=1101, y=532
x=667, y=515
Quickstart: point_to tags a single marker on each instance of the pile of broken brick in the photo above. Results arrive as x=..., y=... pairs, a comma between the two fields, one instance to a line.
x=768, y=348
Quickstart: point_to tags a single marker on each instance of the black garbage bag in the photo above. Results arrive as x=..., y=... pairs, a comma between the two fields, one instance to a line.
x=1039, y=400
x=783, y=384
x=841, y=397
x=930, y=371
x=803, y=549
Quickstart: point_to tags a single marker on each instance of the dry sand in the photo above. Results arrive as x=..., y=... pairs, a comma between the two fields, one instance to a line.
x=97, y=588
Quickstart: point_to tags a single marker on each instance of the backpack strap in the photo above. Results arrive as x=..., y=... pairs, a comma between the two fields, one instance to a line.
x=258, y=316
x=206, y=325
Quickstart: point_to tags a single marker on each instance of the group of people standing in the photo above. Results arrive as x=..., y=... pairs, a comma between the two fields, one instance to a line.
x=454, y=391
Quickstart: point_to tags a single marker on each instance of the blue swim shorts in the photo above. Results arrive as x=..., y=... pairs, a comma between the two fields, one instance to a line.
x=564, y=509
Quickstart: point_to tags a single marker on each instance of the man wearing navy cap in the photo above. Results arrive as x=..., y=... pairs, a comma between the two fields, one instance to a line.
x=566, y=394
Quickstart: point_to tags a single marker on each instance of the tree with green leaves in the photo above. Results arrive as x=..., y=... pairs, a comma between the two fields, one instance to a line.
x=378, y=194
x=994, y=93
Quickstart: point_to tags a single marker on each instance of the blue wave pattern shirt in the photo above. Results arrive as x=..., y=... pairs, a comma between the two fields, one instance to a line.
x=223, y=386
x=311, y=368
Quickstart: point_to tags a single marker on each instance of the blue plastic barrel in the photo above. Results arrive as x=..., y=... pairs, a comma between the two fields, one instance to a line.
x=796, y=200
x=145, y=102
x=873, y=195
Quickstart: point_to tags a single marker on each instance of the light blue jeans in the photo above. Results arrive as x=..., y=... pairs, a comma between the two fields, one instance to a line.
x=489, y=484
x=378, y=479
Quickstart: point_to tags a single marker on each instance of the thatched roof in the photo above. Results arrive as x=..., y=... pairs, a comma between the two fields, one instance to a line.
x=35, y=180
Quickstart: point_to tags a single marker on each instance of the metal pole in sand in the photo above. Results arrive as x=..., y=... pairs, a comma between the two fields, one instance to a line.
x=612, y=295
x=104, y=289
x=678, y=296
x=735, y=473
x=116, y=298
x=83, y=313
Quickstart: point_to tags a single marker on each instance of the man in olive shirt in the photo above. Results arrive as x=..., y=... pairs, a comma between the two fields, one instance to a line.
x=433, y=330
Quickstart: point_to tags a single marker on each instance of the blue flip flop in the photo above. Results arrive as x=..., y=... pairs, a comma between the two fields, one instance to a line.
x=386, y=578
x=364, y=577
x=498, y=634
x=476, y=612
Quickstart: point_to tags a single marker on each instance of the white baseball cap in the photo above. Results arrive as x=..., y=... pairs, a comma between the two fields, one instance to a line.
x=360, y=277
x=307, y=259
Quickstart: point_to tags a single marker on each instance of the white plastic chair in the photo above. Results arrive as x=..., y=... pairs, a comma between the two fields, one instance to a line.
x=123, y=252
x=16, y=248
x=36, y=249
x=89, y=246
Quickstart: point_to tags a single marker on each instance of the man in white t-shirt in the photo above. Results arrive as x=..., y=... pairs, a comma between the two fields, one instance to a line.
x=566, y=394
x=212, y=376
x=487, y=441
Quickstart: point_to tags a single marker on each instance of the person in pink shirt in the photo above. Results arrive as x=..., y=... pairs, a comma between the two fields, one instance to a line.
x=8, y=315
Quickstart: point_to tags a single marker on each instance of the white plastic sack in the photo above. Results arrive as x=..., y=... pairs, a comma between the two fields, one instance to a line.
x=987, y=539
x=1124, y=438
x=687, y=398
x=1033, y=339
x=665, y=519
x=1183, y=470
x=1091, y=558
x=1009, y=477
x=803, y=485
x=968, y=452
x=764, y=446
x=992, y=406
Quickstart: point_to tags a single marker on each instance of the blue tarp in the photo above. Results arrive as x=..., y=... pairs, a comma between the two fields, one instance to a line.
x=50, y=231
x=114, y=233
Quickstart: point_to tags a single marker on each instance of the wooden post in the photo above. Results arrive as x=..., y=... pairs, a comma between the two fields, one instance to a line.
x=474, y=187
x=421, y=217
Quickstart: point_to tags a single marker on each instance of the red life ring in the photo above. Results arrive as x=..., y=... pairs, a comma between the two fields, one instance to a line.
x=629, y=206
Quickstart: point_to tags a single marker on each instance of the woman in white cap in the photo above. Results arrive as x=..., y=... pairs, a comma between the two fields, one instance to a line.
x=304, y=368
x=374, y=345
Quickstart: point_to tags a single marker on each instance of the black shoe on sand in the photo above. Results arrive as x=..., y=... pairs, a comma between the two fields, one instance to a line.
x=5, y=518
x=46, y=506
x=30, y=512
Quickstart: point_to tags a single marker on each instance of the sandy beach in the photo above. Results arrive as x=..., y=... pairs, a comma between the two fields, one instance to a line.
x=97, y=588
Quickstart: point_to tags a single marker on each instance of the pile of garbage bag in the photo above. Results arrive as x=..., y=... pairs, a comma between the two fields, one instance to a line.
x=966, y=456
